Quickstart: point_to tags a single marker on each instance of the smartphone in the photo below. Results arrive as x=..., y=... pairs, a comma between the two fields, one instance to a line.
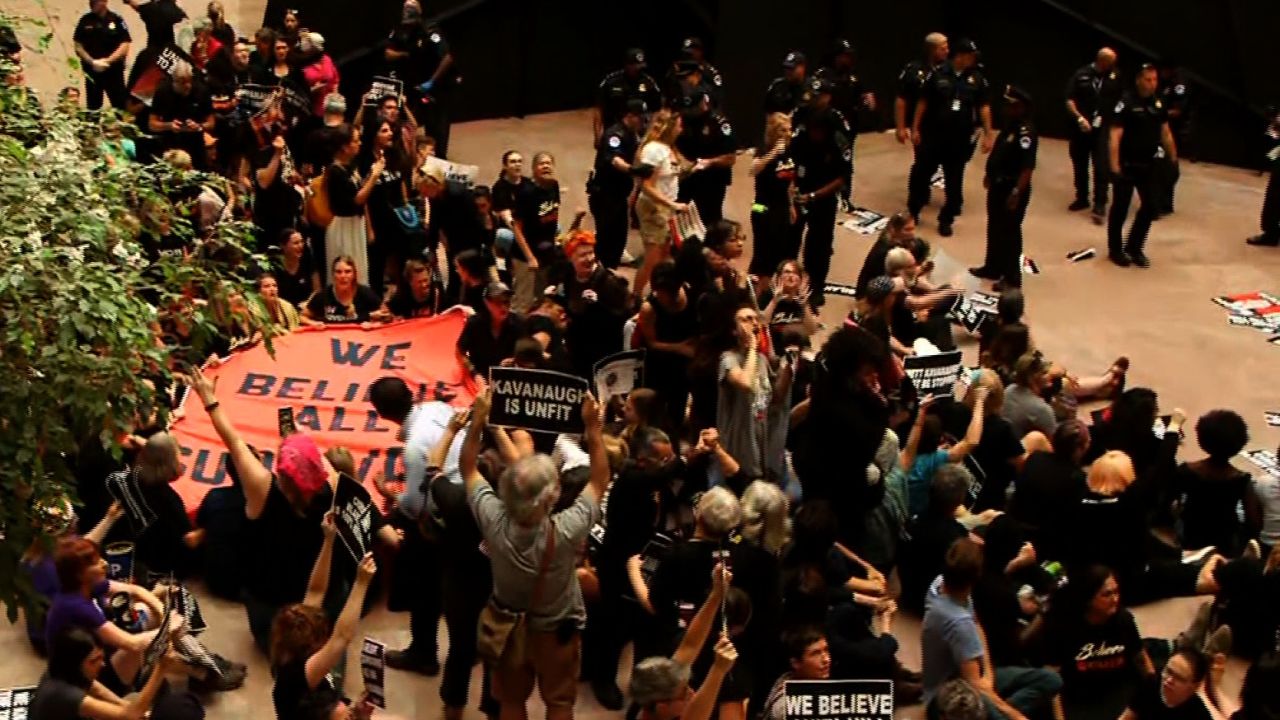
x=284, y=417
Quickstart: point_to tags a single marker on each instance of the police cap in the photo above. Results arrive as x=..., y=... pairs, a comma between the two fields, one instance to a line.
x=964, y=45
x=841, y=47
x=1013, y=93
x=793, y=58
x=635, y=106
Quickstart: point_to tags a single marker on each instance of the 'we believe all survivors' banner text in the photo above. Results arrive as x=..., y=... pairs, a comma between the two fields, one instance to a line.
x=324, y=375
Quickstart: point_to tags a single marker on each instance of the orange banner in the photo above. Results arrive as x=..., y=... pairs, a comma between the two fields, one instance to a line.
x=324, y=375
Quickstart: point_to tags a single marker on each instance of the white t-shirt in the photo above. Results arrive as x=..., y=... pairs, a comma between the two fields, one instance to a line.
x=663, y=161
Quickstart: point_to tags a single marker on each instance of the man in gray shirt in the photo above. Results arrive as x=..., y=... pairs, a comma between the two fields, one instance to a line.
x=518, y=527
x=1023, y=407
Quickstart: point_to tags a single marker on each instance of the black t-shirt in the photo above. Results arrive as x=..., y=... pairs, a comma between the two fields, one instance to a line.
x=990, y=462
x=341, y=185
x=168, y=105
x=789, y=311
x=454, y=213
x=595, y=324
x=995, y=599
x=221, y=516
x=1209, y=507
x=1098, y=663
x=160, y=547
x=952, y=101
x=638, y=501
x=773, y=182
x=277, y=205
x=1142, y=120
x=290, y=691
x=1045, y=501
x=483, y=349
x=325, y=306
x=506, y=194
x=159, y=17
x=284, y=546
x=707, y=137
x=403, y=304
x=295, y=287
x=100, y=36
x=930, y=539
x=387, y=194
x=817, y=162
x=1148, y=704
x=617, y=142
x=56, y=700
x=538, y=212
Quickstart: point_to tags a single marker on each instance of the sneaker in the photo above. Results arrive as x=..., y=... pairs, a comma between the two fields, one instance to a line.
x=1078, y=205
x=627, y=258
x=411, y=661
x=1140, y=259
x=984, y=273
x=944, y=229
x=1218, y=642
x=1252, y=550
x=1193, y=557
x=1264, y=240
x=1194, y=635
x=1119, y=258
x=607, y=694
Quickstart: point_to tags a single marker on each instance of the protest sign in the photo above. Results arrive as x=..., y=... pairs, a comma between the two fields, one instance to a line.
x=934, y=374
x=1266, y=460
x=618, y=374
x=123, y=488
x=15, y=702
x=536, y=400
x=833, y=288
x=382, y=86
x=839, y=700
x=373, y=668
x=352, y=510
x=156, y=73
x=325, y=377
x=687, y=225
x=973, y=310
x=865, y=221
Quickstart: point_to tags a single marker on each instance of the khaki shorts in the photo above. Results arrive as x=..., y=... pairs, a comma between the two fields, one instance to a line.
x=553, y=665
x=655, y=222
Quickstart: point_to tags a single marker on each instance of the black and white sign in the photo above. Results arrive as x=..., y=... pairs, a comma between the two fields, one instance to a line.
x=160, y=643
x=1272, y=417
x=840, y=289
x=536, y=400
x=1266, y=460
x=353, y=514
x=973, y=310
x=123, y=487
x=939, y=180
x=687, y=225
x=618, y=374
x=381, y=87
x=14, y=702
x=253, y=97
x=865, y=221
x=839, y=699
x=373, y=668
x=934, y=374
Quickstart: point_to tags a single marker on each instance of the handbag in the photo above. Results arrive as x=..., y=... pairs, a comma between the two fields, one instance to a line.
x=407, y=216
x=500, y=636
x=318, y=211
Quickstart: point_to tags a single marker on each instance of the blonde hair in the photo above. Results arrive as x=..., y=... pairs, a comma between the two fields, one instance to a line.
x=179, y=159
x=773, y=128
x=663, y=128
x=995, y=392
x=718, y=512
x=1111, y=474
x=764, y=516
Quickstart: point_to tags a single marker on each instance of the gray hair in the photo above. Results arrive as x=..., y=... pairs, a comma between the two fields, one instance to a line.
x=529, y=488
x=764, y=516
x=886, y=459
x=958, y=700
x=658, y=679
x=949, y=488
x=157, y=462
x=897, y=260
x=718, y=511
x=182, y=68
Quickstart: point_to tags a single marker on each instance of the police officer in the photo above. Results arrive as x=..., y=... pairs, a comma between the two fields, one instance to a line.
x=611, y=182
x=952, y=104
x=1092, y=91
x=911, y=82
x=418, y=54
x=102, y=44
x=1177, y=103
x=820, y=167
x=850, y=98
x=1139, y=129
x=790, y=91
x=1270, y=236
x=1008, y=183
x=693, y=58
x=619, y=86
x=707, y=141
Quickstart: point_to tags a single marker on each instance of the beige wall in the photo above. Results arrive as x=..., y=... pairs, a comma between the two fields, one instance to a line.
x=48, y=72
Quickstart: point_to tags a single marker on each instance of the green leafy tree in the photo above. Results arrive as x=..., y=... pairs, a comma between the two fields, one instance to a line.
x=91, y=323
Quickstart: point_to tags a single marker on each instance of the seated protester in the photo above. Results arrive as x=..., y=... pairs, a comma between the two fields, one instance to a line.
x=1115, y=509
x=162, y=546
x=596, y=304
x=1004, y=598
x=921, y=313
x=786, y=304
x=273, y=310
x=534, y=557
x=1050, y=481
x=886, y=525
x=1024, y=407
x=953, y=645
x=1212, y=488
x=899, y=232
x=1094, y=643
x=417, y=294
x=1009, y=310
x=932, y=533
x=998, y=455
x=926, y=449
x=754, y=400
x=218, y=536
x=874, y=312
x=810, y=659
x=958, y=700
x=346, y=300
x=547, y=323
x=1175, y=696
x=660, y=685
x=1127, y=426
x=181, y=114
x=1258, y=698
x=303, y=649
x=668, y=331
x=1266, y=491
x=70, y=689
x=295, y=270
x=489, y=337
x=472, y=272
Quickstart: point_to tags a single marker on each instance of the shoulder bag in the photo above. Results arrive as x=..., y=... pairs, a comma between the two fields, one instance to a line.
x=500, y=637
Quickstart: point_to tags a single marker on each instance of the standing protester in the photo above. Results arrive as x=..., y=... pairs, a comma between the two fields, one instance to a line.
x=952, y=104
x=159, y=17
x=849, y=97
x=1008, y=183
x=418, y=54
x=536, y=224
x=656, y=200
x=820, y=163
x=1139, y=128
x=509, y=185
x=707, y=140
x=790, y=91
x=102, y=44
x=611, y=183
x=1092, y=91
x=911, y=83
x=596, y=304
x=1177, y=103
x=1270, y=236
x=618, y=88
x=772, y=212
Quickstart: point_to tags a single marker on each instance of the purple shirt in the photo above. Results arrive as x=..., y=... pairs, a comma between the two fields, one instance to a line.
x=73, y=610
x=44, y=580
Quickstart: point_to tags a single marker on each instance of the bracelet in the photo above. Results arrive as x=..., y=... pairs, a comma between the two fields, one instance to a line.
x=212, y=406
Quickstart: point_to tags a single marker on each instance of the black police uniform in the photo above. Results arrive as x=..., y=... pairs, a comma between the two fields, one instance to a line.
x=608, y=192
x=101, y=36
x=1094, y=94
x=1143, y=120
x=1013, y=153
x=1177, y=104
x=817, y=163
x=911, y=83
x=707, y=136
x=846, y=96
x=952, y=102
x=617, y=88
x=711, y=84
x=1270, y=220
x=785, y=96
x=427, y=48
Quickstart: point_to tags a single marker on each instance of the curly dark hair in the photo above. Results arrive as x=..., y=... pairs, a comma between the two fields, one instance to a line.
x=297, y=632
x=1221, y=434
